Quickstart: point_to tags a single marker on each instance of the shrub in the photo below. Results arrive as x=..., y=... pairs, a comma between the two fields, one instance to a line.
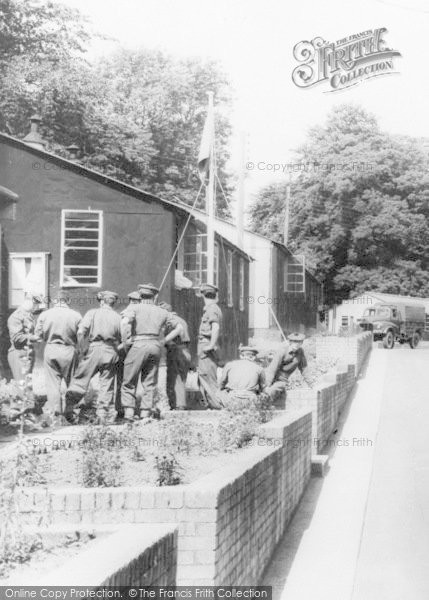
x=100, y=458
x=168, y=469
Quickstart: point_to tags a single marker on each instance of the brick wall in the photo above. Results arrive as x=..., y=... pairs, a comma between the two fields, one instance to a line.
x=130, y=556
x=229, y=522
x=325, y=401
x=351, y=350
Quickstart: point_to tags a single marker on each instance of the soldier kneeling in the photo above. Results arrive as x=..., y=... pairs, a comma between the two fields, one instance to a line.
x=243, y=378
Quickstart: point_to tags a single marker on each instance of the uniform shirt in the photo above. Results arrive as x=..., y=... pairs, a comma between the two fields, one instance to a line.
x=243, y=375
x=58, y=325
x=102, y=325
x=20, y=324
x=149, y=319
x=212, y=314
x=284, y=364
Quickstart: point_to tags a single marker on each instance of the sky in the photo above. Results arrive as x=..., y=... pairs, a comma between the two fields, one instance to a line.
x=254, y=40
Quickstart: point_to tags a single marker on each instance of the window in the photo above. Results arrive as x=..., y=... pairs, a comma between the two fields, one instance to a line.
x=344, y=321
x=427, y=322
x=294, y=274
x=27, y=273
x=195, y=259
x=81, y=248
x=229, y=293
x=241, y=283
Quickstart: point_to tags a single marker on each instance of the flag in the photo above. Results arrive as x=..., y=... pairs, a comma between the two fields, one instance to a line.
x=206, y=146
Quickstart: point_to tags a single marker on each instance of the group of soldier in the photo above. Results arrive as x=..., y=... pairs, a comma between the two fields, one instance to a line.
x=125, y=349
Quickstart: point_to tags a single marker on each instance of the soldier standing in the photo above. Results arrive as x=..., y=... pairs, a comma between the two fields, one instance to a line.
x=21, y=325
x=102, y=327
x=178, y=364
x=289, y=358
x=144, y=355
x=133, y=298
x=243, y=378
x=58, y=327
x=208, y=349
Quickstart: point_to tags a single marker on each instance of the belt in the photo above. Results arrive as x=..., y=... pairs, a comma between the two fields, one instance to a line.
x=60, y=344
x=104, y=343
x=146, y=336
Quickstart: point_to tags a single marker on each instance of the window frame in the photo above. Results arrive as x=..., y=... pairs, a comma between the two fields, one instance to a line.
x=99, y=283
x=241, y=283
x=44, y=256
x=229, y=278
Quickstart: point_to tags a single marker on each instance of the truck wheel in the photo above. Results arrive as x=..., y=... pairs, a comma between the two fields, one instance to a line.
x=389, y=340
x=414, y=340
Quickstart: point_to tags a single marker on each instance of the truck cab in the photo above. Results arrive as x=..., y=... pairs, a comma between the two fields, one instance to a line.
x=394, y=322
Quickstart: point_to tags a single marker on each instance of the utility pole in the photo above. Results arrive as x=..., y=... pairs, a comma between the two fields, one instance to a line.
x=210, y=198
x=241, y=192
x=286, y=220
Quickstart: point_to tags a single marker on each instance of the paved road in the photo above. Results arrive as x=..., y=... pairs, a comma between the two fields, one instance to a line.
x=362, y=533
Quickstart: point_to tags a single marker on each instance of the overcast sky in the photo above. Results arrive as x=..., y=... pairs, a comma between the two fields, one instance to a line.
x=254, y=40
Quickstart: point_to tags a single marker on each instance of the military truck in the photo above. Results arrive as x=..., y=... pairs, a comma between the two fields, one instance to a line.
x=403, y=323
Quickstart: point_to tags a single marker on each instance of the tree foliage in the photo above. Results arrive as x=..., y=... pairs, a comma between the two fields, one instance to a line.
x=359, y=208
x=135, y=116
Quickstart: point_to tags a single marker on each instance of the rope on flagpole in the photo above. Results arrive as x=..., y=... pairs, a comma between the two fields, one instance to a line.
x=182, y=235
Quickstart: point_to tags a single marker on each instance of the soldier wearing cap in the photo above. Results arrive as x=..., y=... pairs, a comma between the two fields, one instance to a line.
x=289, y=358
x=243, y=378
x=208, y=345
x=102, y=327
x=21, y=324
x=133, y=298
x=58, y=327
x=142, y=361
x=178, y=363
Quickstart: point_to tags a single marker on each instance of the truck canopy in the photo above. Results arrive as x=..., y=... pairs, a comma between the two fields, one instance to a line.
x=409, y=312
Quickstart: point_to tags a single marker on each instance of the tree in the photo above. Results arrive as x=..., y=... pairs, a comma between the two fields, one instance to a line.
x=359, y=208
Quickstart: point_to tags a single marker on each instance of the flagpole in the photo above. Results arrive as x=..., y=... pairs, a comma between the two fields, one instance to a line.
x=210, y=203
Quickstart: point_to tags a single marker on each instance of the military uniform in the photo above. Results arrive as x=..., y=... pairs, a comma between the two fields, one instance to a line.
x=178, y=364
x=58, y=328
x=134, y=298
x=208, y=361
x=147, y=321
x=243, y=378
x=20, y=356
x=103, y=328
x=284, y=363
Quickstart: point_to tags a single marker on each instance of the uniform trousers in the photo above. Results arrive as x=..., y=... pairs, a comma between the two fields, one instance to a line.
x=207, y=374
x=59, y=361
x=101, y=358
x=142, y=362
x=276, y=391
x=19, y=364
x=178, y=364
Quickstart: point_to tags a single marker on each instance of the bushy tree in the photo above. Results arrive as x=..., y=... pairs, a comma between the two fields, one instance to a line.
x=359, y=208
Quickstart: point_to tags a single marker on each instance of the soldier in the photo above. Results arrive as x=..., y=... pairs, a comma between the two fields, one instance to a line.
x=289, y=358
x=208, y=350
x=178, y=364
x=21, y=325
x=102, y=327
x=133, y=298
x=144, y=355
x=243, y=378
x=58, y=327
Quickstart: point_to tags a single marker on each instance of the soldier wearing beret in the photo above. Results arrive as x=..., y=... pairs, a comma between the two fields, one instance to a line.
x=289, y=358
x=208, y=346
x=102, y=327
x=243, y=378
x=21, y=324
x=142, y=361
x=178, y=364
x=58, y=327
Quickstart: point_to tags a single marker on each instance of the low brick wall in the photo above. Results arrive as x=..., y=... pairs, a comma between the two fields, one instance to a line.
x=325, y=402
x=129, y=556
x=229, y=522
x=351, y=350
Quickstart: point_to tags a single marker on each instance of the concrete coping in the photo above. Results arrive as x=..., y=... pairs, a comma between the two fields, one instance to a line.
x=97, y=563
